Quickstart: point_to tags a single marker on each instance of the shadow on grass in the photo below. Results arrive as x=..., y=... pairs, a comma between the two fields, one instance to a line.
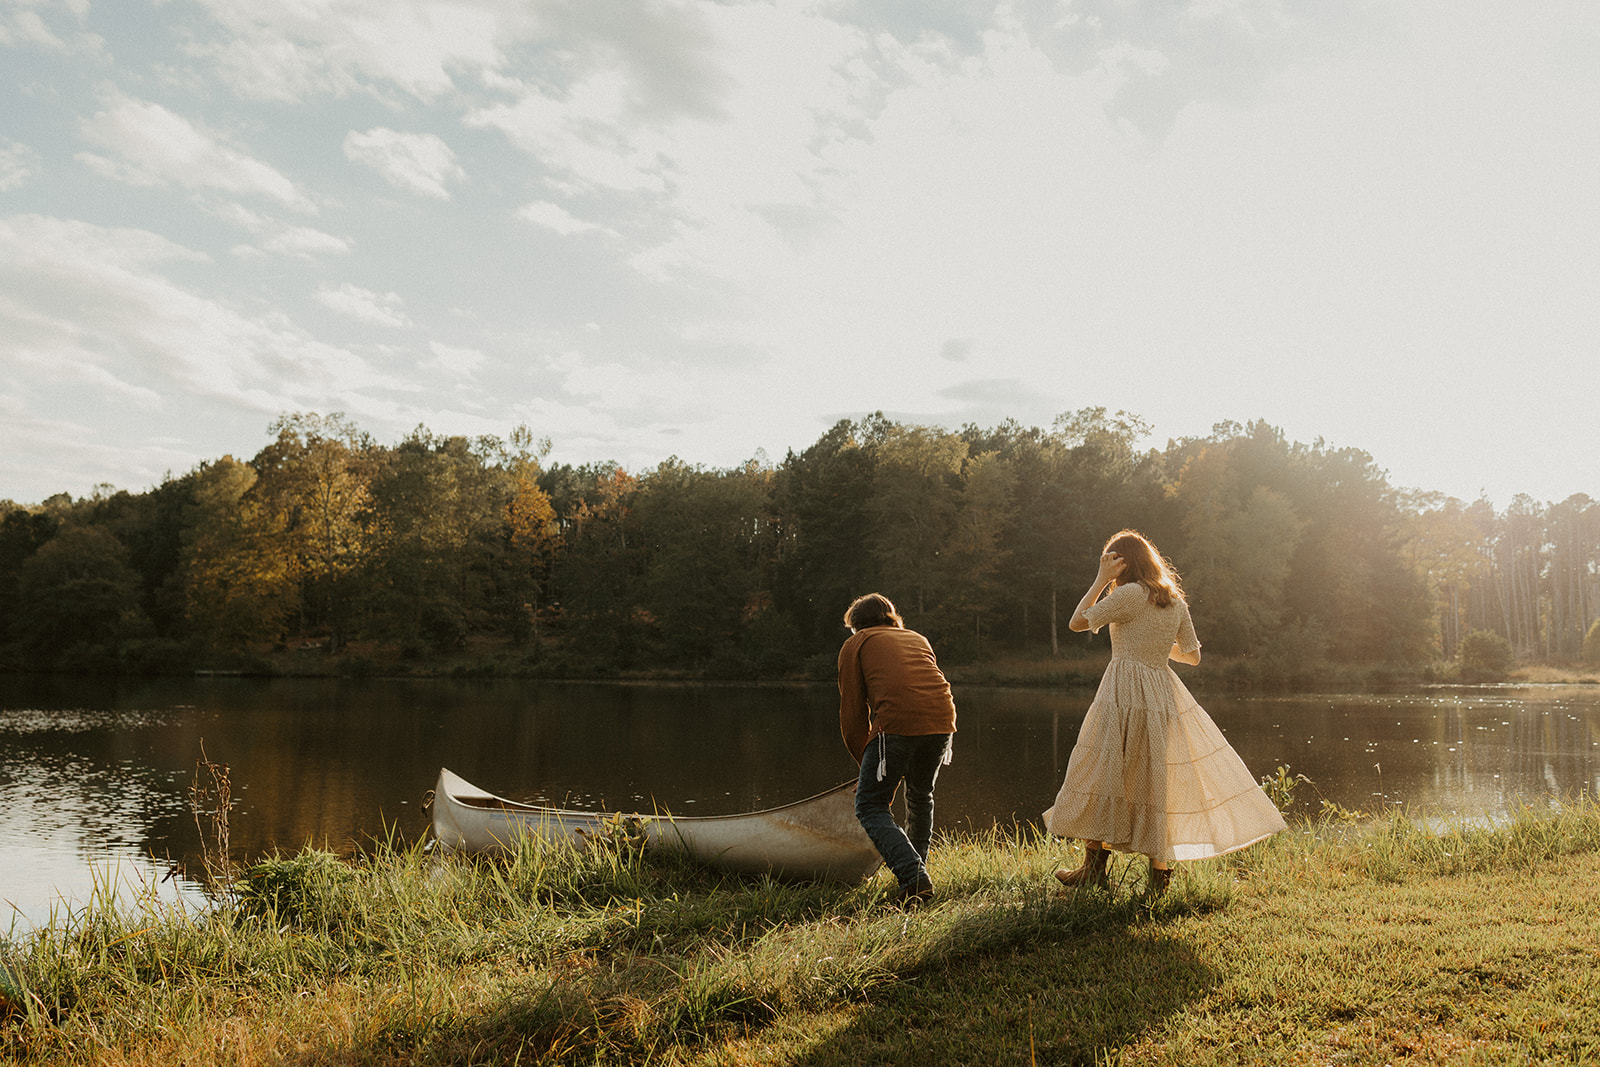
x=983, y=978
x=1051, y=1002
x=1046, y=981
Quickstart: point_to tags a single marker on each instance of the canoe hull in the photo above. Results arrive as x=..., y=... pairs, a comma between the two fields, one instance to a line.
x=813, y=839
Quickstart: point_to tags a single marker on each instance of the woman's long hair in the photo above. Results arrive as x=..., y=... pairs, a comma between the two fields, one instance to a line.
x=1146, y=566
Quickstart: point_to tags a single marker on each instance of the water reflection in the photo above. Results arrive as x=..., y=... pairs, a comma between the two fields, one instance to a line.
x=98, y=771
x=1449, y=751
x=77, y=811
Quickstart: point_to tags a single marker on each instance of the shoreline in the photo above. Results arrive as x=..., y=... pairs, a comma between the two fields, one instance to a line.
x=1081, y=670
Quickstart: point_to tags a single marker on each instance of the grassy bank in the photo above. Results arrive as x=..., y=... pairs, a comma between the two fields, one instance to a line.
x=1334, y=943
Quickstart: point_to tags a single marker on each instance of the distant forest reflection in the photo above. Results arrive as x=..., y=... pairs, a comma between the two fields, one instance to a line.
x=94, y=768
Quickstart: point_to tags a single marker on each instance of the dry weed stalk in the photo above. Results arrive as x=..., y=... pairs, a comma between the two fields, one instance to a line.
x=214, y=801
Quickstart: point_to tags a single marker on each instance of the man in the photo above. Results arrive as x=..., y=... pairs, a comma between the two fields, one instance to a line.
x=897, y=719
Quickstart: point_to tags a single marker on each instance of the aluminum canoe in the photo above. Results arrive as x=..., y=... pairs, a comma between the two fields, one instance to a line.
x=816, y=839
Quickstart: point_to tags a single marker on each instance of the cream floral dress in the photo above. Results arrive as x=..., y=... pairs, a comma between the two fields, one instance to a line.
x=1150, y=772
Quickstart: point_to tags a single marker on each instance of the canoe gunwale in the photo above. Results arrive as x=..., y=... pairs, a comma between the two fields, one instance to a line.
x=491, y=802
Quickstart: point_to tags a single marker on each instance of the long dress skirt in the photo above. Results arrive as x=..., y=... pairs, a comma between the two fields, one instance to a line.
x=1151, y=773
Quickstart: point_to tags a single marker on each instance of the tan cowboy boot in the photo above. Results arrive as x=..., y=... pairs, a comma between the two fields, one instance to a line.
x=1092, y=872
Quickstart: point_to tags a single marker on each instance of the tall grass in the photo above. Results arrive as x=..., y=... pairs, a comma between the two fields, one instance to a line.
x=610, y=955
x=1398, y=844
x=549, y=949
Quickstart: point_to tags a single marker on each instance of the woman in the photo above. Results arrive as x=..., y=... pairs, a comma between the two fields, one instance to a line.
x=1150, y=772
x=897, y=717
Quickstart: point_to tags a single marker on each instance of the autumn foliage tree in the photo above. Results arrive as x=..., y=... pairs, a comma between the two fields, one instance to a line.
x=534, y=532
x=239, y=571
x=433, y=520
x=316, y=480
x=1293, y=554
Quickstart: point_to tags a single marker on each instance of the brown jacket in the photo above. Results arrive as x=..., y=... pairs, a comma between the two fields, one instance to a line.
x=890, y=683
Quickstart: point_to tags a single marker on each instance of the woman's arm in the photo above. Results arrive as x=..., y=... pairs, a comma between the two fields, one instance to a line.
x=1111, y=568
x=1186, y=637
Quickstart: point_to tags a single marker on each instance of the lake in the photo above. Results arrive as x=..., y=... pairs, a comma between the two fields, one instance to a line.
x=95, y=773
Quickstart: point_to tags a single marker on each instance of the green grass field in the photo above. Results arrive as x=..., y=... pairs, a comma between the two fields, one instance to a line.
x=1341, y=941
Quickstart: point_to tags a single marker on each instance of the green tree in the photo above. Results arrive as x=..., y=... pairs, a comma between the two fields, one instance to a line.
x=535, y=535
x=442, y=507
x=1486, y=655
x=915, y=498
x=1519, y=561
x=153, y=526
x=822, y=499
x=976, y=551
x=22, y=533
x=531, y=530
x=1351, y=576
x=316, y=477
x=1238, y=545
x=1443, y=544
x=78, y=591
x=709, y=536
x=1350, y=582
x=239, y=573
x=1106, y=484
x=1573, y=592
x=599, y=575
x=1045, y=519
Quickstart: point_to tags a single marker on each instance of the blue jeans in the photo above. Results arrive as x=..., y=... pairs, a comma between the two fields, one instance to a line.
x=916, y=761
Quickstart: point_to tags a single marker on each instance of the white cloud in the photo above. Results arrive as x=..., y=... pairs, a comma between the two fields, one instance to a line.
x=155, y=146
x=818, y=208
x=605, y=109
x=580, y=136
x=972, y=202
x=83, y=372
x=456, y=361
x=614, y=387
x=364, y=305
x=990, y=401
x=289, y=52
x=1167, y=57
x=555, y=217
x=416, y=162
x=731, y=168
x=957, y=349
x=648, y=401
x=23, y=24
x=42, y=456
x=302, y=242
x=93, y=298
x=17, y=164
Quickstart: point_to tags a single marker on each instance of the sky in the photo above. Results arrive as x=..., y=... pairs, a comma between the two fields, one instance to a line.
x=711, y=229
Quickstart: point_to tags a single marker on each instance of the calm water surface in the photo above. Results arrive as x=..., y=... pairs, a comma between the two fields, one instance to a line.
x=94, y=774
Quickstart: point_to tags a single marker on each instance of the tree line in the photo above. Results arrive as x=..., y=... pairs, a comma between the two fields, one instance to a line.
x=1291, y=554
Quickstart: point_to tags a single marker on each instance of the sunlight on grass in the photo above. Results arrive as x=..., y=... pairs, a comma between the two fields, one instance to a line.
x=1339, y=934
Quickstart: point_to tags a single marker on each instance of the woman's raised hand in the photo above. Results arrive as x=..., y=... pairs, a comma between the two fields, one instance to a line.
x=1111, y=566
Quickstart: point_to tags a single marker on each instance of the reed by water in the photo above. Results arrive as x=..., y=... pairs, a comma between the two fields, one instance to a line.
x=1344, y=940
